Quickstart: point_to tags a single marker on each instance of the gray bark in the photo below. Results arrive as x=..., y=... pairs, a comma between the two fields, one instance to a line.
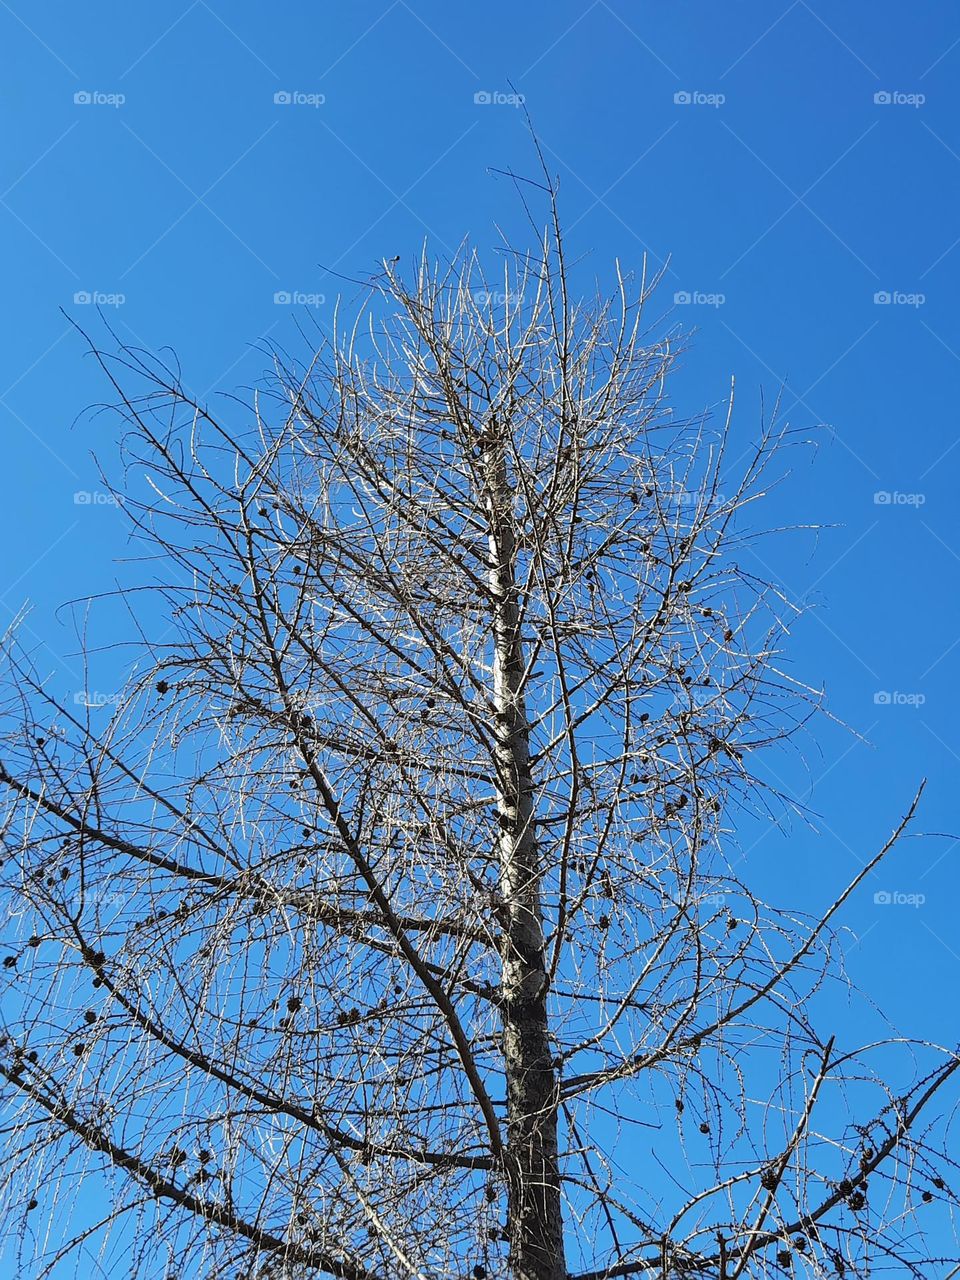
x=534, y=1217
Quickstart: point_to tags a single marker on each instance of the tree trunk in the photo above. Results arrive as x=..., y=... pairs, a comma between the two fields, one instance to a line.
x=534, y=1218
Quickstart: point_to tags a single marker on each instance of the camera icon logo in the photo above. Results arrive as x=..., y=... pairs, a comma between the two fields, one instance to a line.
x=282, y=98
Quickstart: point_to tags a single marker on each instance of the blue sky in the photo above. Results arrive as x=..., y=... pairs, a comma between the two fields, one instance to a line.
x=798, y=162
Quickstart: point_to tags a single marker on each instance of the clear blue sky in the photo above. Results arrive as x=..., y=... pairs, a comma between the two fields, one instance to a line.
x=783, y=186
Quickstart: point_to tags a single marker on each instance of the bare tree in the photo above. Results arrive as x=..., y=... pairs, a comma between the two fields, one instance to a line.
x=384, y=924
